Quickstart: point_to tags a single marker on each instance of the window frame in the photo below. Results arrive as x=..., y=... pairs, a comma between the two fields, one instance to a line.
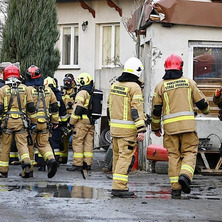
x=209, y=86
x=71, y=65
x=203, y=44
x=113, y=25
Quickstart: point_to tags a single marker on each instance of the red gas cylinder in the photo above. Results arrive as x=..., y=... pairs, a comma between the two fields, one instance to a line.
x=136, y=163
x=156, y=152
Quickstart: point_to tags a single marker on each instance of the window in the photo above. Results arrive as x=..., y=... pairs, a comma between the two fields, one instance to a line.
x=69, y=46
x=207, y=69
x=207, y=64
x=110, y=50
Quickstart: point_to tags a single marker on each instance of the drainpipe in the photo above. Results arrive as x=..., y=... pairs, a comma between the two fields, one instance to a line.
x=138, y=30
x=141, y=151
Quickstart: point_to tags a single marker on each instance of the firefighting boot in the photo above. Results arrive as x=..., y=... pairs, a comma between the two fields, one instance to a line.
x=176, y=194
x=122, y=193
x=75, y=168
x=87, y=168
x=42, y=167
x=52, y=167
x=184, y=181
x=25, y=170
x=3, y=175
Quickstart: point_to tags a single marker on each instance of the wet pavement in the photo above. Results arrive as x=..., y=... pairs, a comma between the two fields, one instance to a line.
x=68, y=197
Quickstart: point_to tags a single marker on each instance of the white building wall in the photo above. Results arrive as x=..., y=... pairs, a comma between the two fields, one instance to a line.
x=164, y=41
x=89, y=41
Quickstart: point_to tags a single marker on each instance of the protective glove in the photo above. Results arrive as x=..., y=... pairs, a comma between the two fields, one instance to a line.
x=218, y=92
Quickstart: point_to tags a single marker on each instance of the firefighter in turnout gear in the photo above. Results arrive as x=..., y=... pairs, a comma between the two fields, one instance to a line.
x=173, y=99
x=127, y=125
x=15, y=103
x=56, y=138
x=83, y=132
x=68, y=96
x=47, y=113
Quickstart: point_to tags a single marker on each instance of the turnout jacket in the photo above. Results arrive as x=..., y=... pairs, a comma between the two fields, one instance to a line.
x=66, y=93
x=15, y=121
x=80, y=108
x=125, y=108
x=174, y=100
x=52, y=112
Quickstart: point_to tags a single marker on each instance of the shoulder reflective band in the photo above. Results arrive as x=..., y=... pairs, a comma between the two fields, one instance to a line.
x=119, y=90
x=174, y=84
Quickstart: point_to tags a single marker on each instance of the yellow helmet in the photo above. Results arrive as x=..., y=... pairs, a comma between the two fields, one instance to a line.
x=49, y=81
x=84, y=79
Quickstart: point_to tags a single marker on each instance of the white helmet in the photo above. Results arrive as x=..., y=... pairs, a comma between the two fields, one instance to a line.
x=134, y=66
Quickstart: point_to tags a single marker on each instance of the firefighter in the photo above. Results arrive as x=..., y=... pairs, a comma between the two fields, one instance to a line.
x=47, y=114
x=173, y=99
x=127, y=125
x=15, y=103
x=56, y=138
x=217, y=99
x=68, y=96
x=83, y=126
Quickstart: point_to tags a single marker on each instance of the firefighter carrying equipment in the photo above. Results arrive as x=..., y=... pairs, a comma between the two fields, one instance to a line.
x=83, y=134
x=14, y=119
x=47, y=115
x=56, y=140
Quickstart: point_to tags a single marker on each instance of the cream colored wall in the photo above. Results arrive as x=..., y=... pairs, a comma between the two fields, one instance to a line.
x=73, y=13
x=164, y=41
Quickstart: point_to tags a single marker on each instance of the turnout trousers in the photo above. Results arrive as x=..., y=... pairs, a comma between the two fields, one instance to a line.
x=21, y=143
x=82, y=144
x=41, y=139
x=123, y=150
x=182, y=151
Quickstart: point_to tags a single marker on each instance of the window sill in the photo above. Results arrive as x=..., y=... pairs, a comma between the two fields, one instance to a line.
x=68, y=67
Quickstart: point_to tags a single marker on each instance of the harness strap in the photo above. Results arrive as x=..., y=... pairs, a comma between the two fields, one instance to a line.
x=9, y=107
x=42, y=97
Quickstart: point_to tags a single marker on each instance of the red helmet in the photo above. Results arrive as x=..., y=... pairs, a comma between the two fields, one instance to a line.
x=11, y=71
x=173, y=62
x=33, y=72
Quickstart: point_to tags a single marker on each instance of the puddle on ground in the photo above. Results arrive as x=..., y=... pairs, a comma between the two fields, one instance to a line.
x=46, y=190
x=61, y=191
